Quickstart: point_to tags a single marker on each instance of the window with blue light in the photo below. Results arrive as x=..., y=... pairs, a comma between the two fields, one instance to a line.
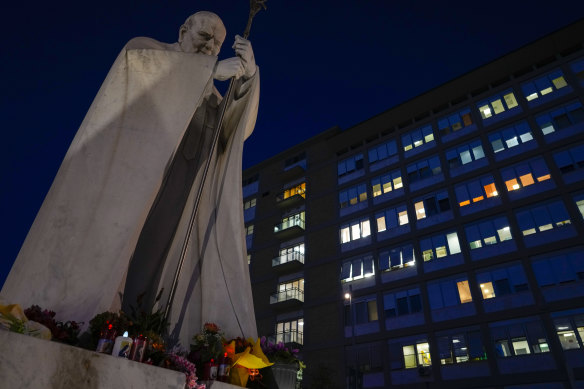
x=502, y=281
x=571, y=159
x=439, y=246
x=454, y=122
x=350, y=165
x=417, y=137
x=560, y=118
x=386, y=183
x=397, y=257
x=449, y=292
x=402, y=303
x=391, y=218
x=519, y=337
x=488, y=232
x=578, y=69
x=559, y=269
x=353, y=196
x=357, y=268
x=460, y=346
x=465, y=154
x=510, y=137
x=541, y=86
x=382, y=151
x=497, y=104
x=542, y=217
x=432, y=204
x=424, y=169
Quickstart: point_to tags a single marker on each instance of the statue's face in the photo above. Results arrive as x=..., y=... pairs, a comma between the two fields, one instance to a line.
x=205, y=36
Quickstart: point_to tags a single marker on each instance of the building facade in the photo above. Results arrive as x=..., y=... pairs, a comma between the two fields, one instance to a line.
x=440, y=243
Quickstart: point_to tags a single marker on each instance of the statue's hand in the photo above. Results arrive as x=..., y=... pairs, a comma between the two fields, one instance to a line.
x=230, y=67
x=244, y=51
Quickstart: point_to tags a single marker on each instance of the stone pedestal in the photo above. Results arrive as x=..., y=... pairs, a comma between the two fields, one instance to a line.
x=27, y=362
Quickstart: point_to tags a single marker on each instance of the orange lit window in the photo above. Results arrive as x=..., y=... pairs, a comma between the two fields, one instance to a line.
x=477, y=199
x=467, y=202
x=464, y=292
x=543, y=178
x=512, y=185
x=491, y=190
x=527, y=179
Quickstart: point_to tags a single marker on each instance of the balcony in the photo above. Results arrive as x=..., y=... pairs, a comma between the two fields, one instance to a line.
x=289, y=228
x=288, y=262
x=288, y=298
x=292, y=338
x=284, y=199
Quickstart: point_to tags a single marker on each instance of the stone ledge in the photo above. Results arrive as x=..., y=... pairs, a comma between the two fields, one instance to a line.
x=27, y=362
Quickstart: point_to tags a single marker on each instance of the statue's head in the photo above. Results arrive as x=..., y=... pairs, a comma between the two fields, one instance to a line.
x=203, y=33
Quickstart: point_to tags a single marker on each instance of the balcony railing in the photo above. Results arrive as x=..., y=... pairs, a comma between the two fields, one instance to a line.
x=288, y=294
x=285, y=195
x=292, y=336
x=290, y=257
x=289, y=224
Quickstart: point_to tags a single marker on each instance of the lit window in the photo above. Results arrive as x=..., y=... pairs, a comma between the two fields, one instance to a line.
x=355, y=269
x=542, y=86
x=475, y=191
x=519, y=337
x=497, y=104
x=391, y=218
x=464, y=292
x=488, y=232
x=416, y=355
x=487, y=290
x=542, y=217
x=386, y=183
x=353, y=196
x=355, y=230
x=525, y=174
x=439, y=246
x=417, y=138
x=465, y=154
x=454, y=122
x=397, y=258
x=510, y=137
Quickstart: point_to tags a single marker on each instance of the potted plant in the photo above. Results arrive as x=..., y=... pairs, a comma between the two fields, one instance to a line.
x=287, y=366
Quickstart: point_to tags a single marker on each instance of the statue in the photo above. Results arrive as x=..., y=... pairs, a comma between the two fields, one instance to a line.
x=115, y=217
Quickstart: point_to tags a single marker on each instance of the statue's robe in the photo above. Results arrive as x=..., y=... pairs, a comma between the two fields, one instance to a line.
x=78, y=251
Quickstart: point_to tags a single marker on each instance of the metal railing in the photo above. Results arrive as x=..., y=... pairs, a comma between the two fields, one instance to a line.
x=289, y=224
x=289, y=257
x=288, y=294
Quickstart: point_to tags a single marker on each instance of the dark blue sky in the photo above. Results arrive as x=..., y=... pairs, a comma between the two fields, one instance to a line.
x=323, y=63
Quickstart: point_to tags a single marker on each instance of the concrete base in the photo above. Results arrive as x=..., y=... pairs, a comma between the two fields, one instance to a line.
x=27, y=362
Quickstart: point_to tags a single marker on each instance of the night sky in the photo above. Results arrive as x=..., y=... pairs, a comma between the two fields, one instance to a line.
x=323, y=63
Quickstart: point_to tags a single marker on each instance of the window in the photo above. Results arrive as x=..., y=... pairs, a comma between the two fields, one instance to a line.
x=519, y=337
x=580, y=204
x=417, y=137
x=510, y=137
x=288, y=291
x=570, y=329
x=503, y=281
x=391, y=218
x=402, y=303
x=291, y=221
x=449, y=292
x=364, y=311
x=461, y=346
x=578, y=69
x=454, y=122
x=292, y=253
x=290, y=331
x=559, y=269
x=409, y=353
x=349, y=165
x=560, y=118
x=439, y=246
x=525, y=174
x=355, y=230
x=249, y=230
x=497, y=104
x=295, y=159
x=365, y=357
x=488, y=232
x=417, y=355
x=471, y=192
x=542, y=217
x=386, y=183
x=424, y=169
x=382, y=151
x=353, y=196
x=355, y=269
x=397, y=258
x=571, y=159
x=465, y=154
x=551, y=82
x=432, y=205
x=249, y=204
x=299, y=189
x=250, y=180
